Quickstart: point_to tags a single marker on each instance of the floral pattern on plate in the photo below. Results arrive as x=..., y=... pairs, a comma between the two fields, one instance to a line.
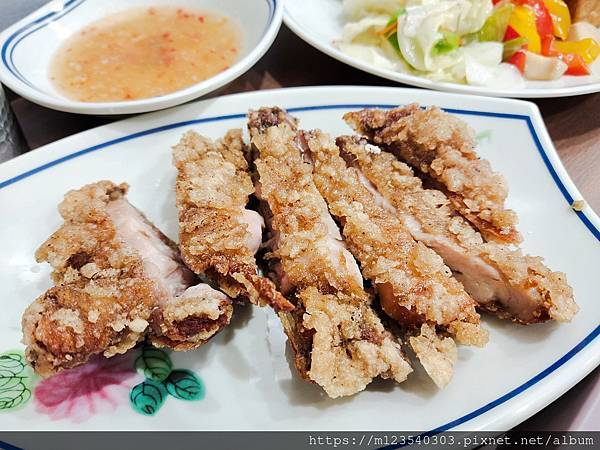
x=98, y=387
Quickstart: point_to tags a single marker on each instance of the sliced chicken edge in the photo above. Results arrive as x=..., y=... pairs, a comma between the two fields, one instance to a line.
x=321, y=321
x=528, y=292
x=219, y=234
x=470, y=334
x=188, y=313
x=107, y=296
x=441, y=146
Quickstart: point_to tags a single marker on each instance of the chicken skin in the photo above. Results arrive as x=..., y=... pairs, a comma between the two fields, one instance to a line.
x=498, y=276
x=219, y=236
x=338, y=340
x=415, y=287
x=442, y=148
x=118, y=280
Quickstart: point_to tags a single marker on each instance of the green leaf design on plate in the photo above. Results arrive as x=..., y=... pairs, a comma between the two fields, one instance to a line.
x=15, y=380
x=484, y=136
x=154, y=364
x=185, y=385
x=148, y=397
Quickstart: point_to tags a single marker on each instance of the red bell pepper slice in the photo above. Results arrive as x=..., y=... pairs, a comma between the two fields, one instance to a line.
x=510, y=34
x=543, y=19
x=575, y=63
x=518, y=60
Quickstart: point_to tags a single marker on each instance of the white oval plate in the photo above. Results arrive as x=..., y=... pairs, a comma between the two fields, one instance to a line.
x=320, y=23
x=26, y=49
x=249, y=385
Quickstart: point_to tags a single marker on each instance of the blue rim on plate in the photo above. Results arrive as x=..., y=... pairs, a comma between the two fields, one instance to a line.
x=527, y=119
x=7, y=51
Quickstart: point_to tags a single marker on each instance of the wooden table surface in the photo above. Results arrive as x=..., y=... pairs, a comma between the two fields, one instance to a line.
x=573, y=122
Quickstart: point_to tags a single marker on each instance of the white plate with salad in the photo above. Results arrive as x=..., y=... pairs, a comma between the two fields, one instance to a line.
x=506, y=48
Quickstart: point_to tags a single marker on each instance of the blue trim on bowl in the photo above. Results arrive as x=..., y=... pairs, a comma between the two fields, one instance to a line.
x=7, y=51
x=26, y=30
x=595, y=231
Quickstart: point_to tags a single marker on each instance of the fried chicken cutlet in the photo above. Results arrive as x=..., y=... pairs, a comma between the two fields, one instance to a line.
x=118, y=280
x=415, y=287
x=218, y=235
x=442, y=148
x=498, y=276
x=338, y=340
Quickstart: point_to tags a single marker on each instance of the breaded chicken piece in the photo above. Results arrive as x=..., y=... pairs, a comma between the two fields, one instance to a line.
x=218, y=235
x=415, y=287
x=442, y=148
x=118, y=279
x=339, y=341
x=499, y=277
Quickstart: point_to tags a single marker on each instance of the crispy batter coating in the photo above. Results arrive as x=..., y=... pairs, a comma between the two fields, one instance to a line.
x=436, y=354
x=107, y=296
x=414, y=285
x=350, y=346
x=499, y=277
x=218, y=235
x=338, y=340
x=442, y=147
x=69, y=323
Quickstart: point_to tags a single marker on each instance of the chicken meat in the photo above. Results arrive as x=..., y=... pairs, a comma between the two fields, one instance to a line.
x=442, y=148
x=338, y=339
x=498, y=276
x=219, y=236
x=415, y=287
x=118, y=280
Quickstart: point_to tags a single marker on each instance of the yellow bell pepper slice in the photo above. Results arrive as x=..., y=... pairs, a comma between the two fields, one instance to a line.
x=588, y=48
x=523, y=22
x=561, y=18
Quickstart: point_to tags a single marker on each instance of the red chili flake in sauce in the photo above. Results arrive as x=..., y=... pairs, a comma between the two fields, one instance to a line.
x=110, y=55
x=166, y=54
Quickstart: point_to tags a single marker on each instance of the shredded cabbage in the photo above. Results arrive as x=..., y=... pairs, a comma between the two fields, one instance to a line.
x=375, y=56
x=356, y=9
x=424, y=23
x=437, y=39
x=365, y=30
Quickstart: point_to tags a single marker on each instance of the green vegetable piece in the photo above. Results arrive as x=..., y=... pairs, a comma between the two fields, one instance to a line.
x=450, y=42
x=185, y=385
x=147, y=397
x=395, y=16
x=393, y=40
x=154, y=364
x=513, y=46
x=15, y=380
x=495, y=26
x=393, y=37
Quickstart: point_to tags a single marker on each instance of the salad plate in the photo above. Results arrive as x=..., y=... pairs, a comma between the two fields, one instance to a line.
x=321, y=24
x=242, y=379
x=27, y=48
